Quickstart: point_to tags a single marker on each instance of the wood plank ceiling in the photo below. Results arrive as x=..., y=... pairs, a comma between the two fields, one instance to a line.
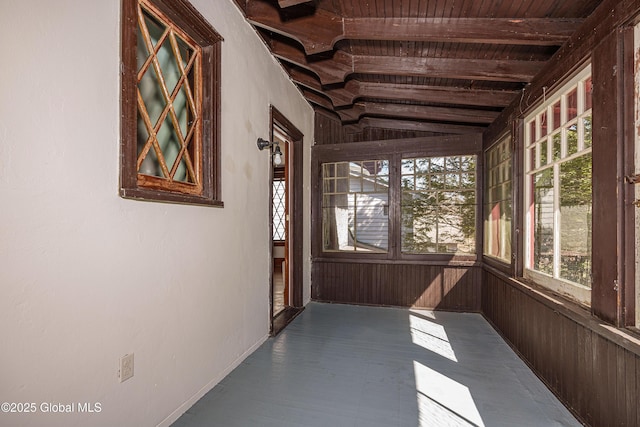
x=442, y=66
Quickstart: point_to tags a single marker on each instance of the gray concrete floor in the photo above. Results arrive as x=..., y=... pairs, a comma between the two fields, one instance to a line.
x=341, y=365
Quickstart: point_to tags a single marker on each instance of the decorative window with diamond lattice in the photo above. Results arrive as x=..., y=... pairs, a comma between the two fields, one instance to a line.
x=170, y=103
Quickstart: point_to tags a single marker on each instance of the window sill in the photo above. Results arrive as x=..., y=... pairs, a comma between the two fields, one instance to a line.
x=167, y=197
x=363, y=260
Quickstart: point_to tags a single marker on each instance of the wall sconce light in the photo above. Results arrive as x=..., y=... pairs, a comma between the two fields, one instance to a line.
x=277, y=154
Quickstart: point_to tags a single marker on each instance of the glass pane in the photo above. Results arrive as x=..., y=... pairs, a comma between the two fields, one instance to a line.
x=557, y=146
x=588, y=92
x=586, y=122
x=186, y=52
x=342, y=185
x=152, y=96
x=543, y=153
x=572, y=139
x=435, y=220
x=437, y=181
x=422, y=165
x=183, y=112
x=408, y=182
x=452, y=164
x=419, y=222
x=543, y=124
x=329, y=186
x=355, y=184
x=407, y=166
x=467, y=163
x=437, y=164
x=556, y=115
x=143, y=134
x=155, y=27
x=278, y=210
x=151, y=165
x=572, y=104
x=532, y=157
x=182, y=172
x=168, y=65
x=169, y=142
x=422, y=182
x=575, y=220
x=382, y=183
x=543, y=221
x=532, y=131
x=452, y=180
x=371, y=223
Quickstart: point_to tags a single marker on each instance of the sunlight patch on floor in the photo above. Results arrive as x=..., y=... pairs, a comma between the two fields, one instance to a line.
x=430, y=336
x=443, y=401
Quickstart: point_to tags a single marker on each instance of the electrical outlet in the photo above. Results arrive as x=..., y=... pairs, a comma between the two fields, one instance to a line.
x=126, y=367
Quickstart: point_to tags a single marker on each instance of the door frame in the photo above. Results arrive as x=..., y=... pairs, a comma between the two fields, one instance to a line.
x=294, y=188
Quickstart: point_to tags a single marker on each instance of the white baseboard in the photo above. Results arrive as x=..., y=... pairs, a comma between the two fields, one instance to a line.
x=210, y=385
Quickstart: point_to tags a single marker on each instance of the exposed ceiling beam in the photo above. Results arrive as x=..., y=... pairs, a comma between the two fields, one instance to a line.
x=354, y=90
x=289, y=3
x=337, y=68
x=405, y=111
x=320, y=31
x=411, y=125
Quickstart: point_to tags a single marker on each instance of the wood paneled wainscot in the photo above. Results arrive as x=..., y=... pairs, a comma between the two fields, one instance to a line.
x=455, y=288
x=592, y=367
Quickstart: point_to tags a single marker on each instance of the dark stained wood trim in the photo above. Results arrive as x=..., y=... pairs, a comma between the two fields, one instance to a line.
x=318, y=32
x=517, y=197
x=432, y=146
x=354, y=90
x=627, y=165
x=329, y=71
x=609, y=15
x=392, y=150
x=336, y=69
x=185, y=16
x=398, y=284
x=529, y=31
x=503, y=70
x=404, y=111
x=297, y=208
x=591, y=367
x=419, y=126
x=607, y=142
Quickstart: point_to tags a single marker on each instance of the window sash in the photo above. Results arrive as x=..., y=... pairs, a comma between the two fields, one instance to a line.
x=201, y=142
x=437, y=198
x=498, y=203
x=557, y=135
x=355, y=206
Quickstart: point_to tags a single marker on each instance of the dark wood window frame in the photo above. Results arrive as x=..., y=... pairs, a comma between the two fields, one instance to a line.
x=495, y=262
x=395, y=151
x=190, y=21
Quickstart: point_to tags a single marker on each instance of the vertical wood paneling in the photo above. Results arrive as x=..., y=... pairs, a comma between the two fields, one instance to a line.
x=403, y=285
x=597, y=378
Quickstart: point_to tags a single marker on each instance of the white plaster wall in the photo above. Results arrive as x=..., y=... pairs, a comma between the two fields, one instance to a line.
x=86, y=276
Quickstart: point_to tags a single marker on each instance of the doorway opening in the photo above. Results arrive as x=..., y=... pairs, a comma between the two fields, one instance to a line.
x=286, y=223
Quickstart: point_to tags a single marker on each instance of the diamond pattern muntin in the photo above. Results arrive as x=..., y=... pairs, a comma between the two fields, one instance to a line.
x=279, y=210
x=168, y=113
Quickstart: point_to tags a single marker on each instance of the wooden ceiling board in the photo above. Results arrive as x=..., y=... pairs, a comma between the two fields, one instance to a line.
x=448, y=62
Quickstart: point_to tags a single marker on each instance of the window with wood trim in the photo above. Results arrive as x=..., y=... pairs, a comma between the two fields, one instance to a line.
x=355, y=206
x=497, y=201
x=559, y=190
x=438, y=206
x=170, y=113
